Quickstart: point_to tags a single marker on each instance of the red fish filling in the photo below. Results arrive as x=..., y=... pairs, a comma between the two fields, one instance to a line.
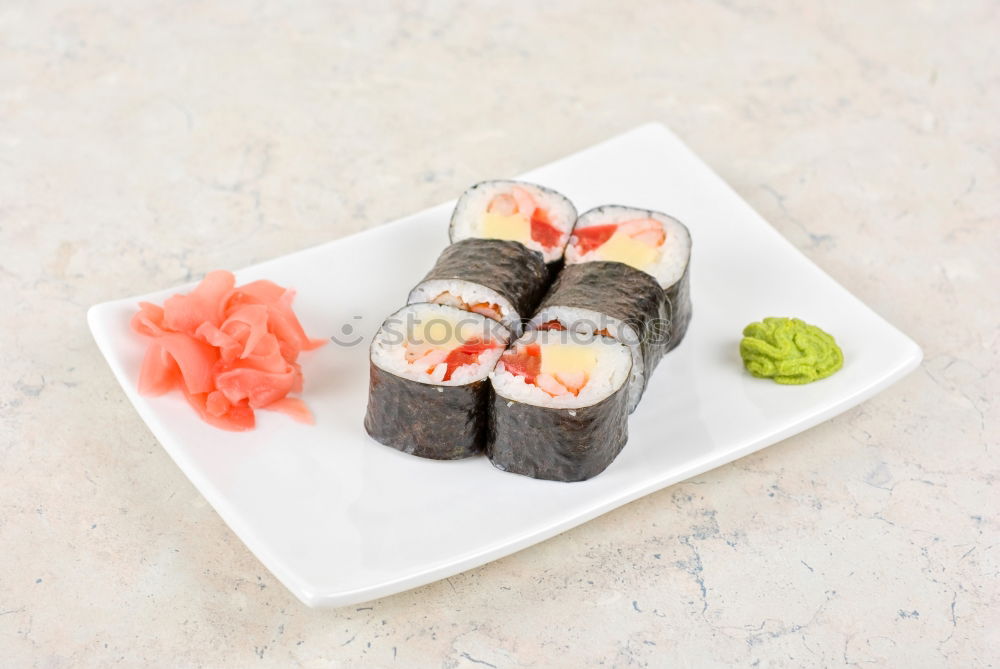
x=465, y=354
x=542, y=230
x=588, y=239
x=645, y=230
x=526, y=362
x=520, y=201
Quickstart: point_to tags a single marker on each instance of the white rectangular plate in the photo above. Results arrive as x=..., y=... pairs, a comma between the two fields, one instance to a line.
x=340, y=519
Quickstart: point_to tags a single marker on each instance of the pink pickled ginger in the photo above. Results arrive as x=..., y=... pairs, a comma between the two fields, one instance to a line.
x=230, y=349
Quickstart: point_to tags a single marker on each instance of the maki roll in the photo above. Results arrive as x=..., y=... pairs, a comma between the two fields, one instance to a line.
x=502, y=280
x=614, y=300
x=428, y=393
x=560, y=405
x=650, y=241
x=538, y=217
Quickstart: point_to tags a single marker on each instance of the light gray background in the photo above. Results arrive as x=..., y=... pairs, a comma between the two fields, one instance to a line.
x=144, y=144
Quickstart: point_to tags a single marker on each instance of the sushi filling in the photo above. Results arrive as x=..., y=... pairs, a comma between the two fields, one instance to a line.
x=517, y=216
x=637, y=242
x=488, y=309
x=554, y=368
x=649, y=241
x=514, y=211
x=586, y=322
x=439, y=345
x=467, y=296
x=556, y=324
x=565, y=370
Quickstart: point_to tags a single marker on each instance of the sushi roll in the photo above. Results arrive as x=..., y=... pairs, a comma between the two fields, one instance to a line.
x=614, y=300
x=501, y=280
x=428, y=390
x=538, y=217
x=560, y=405
x=650, y=241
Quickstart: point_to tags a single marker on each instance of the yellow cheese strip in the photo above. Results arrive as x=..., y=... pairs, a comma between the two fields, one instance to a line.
x=567, y=358
x=622, y=248
x=514, y=228
x=438, y=331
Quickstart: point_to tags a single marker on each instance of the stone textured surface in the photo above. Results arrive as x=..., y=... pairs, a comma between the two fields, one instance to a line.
x=142, y=145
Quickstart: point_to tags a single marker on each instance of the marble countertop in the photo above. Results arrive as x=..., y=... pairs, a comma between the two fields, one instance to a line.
x=141, y=146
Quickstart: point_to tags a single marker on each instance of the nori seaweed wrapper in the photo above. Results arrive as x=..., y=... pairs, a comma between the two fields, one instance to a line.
x=678, y=297
x=659, y=317
x=510, y=268
x=438, y=422
x=428, y=419
x=557, y=444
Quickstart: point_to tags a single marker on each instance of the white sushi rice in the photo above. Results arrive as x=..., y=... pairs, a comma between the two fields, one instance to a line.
x=588, y=321
x=466, y=221
x=674, y=255
x=388, y=349
x=470, y=293
x=610, y=373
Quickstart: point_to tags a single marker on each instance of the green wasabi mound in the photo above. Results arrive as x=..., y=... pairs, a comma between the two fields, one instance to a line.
x=789, y=351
